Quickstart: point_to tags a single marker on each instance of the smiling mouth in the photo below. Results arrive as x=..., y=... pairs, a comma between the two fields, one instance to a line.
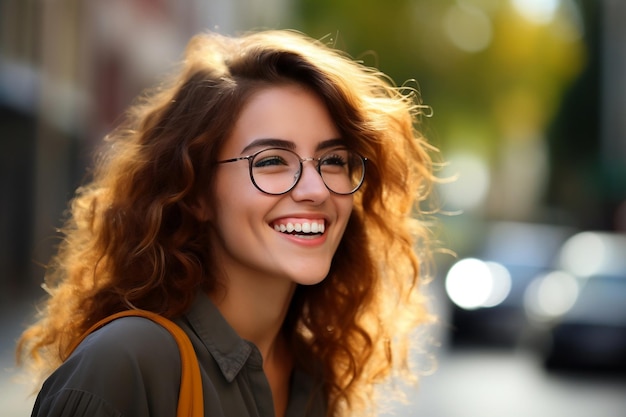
x=301, y=228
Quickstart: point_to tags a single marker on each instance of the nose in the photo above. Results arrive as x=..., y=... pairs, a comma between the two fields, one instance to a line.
x=310, y=186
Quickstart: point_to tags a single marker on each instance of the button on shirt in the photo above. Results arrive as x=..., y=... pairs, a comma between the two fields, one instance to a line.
x=131, y=368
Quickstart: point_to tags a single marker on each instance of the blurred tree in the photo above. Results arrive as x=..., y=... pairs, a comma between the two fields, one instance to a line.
x=494, y=76
x=588, y=175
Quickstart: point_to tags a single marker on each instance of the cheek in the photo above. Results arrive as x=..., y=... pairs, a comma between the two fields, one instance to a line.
x=344, y=206
x=229, y=211
x=238, y=204
x=232, y=177
x=228, y=195
x=233, y=189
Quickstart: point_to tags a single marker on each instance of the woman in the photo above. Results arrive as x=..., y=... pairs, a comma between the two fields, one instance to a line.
x=264, y=200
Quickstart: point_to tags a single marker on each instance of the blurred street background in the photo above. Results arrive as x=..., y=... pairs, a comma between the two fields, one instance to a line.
x=529, y=112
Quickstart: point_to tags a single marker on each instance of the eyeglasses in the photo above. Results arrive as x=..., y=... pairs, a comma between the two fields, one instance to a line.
x=276, y=171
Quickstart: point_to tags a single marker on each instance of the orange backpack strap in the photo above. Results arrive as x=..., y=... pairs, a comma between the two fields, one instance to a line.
x=190, y=401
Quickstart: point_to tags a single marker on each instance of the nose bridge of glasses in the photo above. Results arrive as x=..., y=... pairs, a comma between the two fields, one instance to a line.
x=315, y=165
x=309, y=159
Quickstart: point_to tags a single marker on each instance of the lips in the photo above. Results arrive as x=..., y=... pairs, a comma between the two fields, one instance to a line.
x=300, y=226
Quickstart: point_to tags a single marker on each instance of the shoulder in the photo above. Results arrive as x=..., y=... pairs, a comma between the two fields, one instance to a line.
x=132, y=364
x=131, y=338
x=131, y=347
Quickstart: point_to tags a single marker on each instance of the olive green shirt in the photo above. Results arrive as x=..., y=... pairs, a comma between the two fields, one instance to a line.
x=131, y=368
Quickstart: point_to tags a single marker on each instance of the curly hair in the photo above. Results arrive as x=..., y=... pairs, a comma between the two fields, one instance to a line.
x=132, y=240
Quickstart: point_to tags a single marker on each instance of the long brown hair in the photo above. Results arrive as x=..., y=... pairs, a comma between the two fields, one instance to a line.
x=132, y=239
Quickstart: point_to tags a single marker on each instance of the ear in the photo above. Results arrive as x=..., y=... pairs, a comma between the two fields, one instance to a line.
x=202, y=210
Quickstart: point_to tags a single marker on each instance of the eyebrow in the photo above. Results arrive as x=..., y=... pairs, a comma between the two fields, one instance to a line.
x=287, y=144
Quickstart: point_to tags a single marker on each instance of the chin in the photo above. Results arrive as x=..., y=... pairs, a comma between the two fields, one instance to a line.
x=310, y=278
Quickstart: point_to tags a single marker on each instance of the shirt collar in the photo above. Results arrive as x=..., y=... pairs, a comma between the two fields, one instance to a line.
x=228, y=349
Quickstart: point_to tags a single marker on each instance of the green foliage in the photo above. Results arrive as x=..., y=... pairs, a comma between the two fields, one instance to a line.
x=511, y=87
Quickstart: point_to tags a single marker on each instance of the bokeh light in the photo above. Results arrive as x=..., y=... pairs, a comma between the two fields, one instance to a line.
x=501, y=284
x=472, y=283
x=468, y=27
x=584, y=254
x=471, y=185
x=537, y=11
x=551, y=295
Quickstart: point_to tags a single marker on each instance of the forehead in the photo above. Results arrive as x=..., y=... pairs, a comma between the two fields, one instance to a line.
x=286, y=112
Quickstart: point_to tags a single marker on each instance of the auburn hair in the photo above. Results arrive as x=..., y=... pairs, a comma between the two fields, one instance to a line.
x=132, y=238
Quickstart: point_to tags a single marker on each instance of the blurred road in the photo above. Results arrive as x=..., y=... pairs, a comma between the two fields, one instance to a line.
x=468, y=383
x=484, y=383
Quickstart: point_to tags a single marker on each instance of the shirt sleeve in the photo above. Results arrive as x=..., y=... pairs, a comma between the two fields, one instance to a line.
x=70, y=403
x=130, y=367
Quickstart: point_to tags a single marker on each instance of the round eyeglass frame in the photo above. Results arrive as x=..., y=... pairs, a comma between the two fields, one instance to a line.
x=250, y=159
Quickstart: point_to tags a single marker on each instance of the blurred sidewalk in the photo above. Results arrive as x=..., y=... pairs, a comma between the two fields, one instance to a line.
x=497, y=383
x=15, y=398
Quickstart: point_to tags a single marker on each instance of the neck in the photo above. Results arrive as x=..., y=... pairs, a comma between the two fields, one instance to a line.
x=256, y=308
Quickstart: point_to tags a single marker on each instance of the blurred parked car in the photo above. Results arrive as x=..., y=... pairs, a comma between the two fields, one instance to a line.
x=590, y=331
x=487, y=291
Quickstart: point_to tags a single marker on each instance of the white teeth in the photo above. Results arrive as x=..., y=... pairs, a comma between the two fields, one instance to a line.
x=305, y=227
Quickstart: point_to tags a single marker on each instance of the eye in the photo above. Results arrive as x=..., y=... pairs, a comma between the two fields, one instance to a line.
x=275, y=160
x=269, y=160
x=336, y=158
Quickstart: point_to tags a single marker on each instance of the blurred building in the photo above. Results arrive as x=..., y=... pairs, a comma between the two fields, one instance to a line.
x=68, y=69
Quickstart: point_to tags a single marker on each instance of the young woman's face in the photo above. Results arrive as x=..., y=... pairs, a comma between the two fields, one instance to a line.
x=249, y=222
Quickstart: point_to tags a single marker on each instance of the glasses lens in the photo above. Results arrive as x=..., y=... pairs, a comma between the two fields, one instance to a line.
x=342, y=170
x=275, y=171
